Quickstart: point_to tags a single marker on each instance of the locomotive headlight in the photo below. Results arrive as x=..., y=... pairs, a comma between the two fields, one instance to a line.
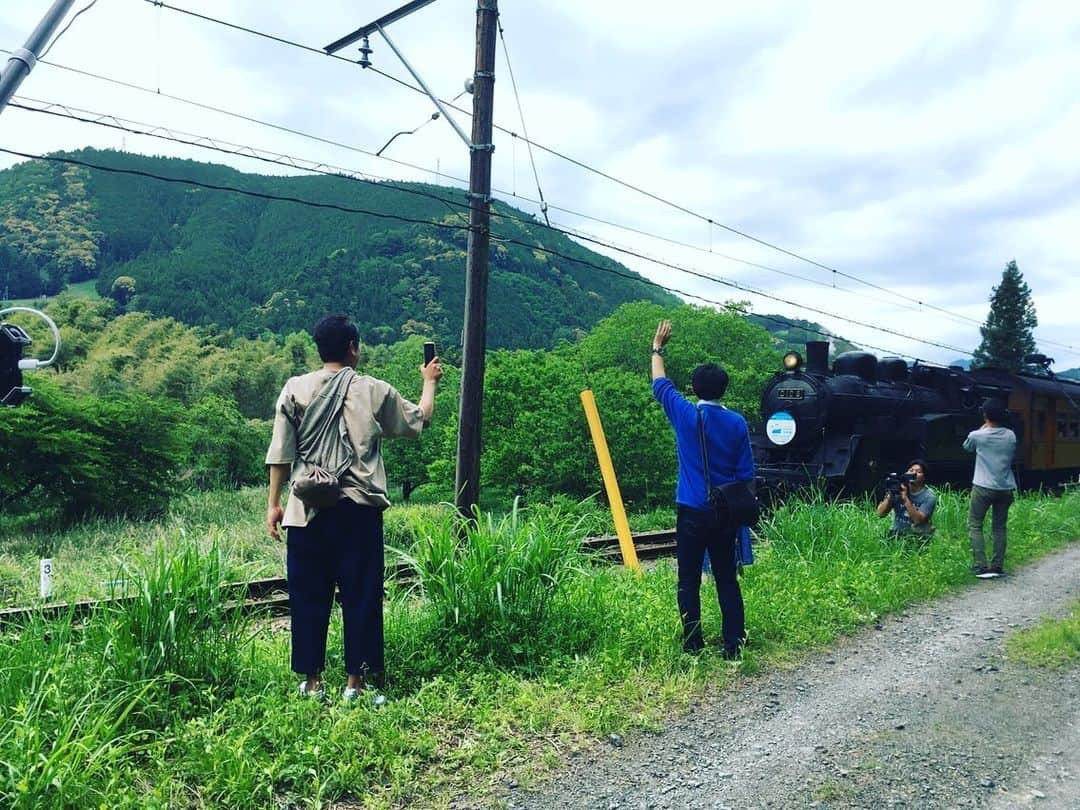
x=792, y=361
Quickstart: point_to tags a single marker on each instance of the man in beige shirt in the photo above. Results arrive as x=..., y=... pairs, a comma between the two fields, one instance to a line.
x=342, y=545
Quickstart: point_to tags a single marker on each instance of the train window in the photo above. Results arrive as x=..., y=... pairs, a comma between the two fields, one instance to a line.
x=1074, y=428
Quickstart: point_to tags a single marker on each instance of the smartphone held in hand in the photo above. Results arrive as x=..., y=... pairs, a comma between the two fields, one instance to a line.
x=429, y=352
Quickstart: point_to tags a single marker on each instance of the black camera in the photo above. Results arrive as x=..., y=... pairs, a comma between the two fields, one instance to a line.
x=894, y=480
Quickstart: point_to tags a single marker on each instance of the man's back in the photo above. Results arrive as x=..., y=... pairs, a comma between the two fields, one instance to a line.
x=994, y=449
x=373, y=409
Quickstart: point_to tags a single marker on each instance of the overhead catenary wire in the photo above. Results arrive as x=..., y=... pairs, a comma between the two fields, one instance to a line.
x=569, y=211
x=64, y=30
x=247, y=151
x=223, y=146
x=581, y=164
x=296, y=163
x=727, y=305
x=463, y=181
x=232, y=189
x=524, y=128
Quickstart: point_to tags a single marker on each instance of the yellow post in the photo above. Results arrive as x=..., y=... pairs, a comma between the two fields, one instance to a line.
x=618, y=514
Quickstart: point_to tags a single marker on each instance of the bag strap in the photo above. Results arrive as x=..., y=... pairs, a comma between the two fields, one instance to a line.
x=323, y=413
x=704, y=452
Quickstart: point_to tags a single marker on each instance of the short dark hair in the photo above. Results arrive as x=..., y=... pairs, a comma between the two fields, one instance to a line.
x=921, y=463
x=994, y=409
x=709, y=381
x=333, y=334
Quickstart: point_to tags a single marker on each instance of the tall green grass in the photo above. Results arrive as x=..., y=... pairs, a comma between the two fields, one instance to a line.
x=492, y=583
x=512, y=651
x=82, y=704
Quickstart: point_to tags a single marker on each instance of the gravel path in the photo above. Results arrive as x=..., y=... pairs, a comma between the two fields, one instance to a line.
x=921, y=712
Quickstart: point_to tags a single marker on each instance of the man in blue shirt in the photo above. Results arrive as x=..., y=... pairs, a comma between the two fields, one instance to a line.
x=697, y=529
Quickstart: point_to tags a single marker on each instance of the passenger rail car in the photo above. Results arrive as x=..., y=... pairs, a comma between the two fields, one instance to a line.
x=844, y=428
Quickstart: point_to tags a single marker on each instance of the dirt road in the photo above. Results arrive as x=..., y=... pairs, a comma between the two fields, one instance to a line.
x=923, y=712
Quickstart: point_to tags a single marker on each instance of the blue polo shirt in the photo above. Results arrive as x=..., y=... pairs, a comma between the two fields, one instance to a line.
x=726, y=436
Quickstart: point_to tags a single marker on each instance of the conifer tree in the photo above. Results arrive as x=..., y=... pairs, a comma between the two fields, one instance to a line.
x=1007, y=335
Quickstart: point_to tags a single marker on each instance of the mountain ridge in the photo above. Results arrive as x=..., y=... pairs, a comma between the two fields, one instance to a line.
x=256, y=263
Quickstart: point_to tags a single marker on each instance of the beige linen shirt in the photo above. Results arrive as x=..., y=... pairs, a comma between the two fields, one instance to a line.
x=373, y=410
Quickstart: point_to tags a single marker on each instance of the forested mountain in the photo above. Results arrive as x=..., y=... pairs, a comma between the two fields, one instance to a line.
x=214, y=257
x=793, y=333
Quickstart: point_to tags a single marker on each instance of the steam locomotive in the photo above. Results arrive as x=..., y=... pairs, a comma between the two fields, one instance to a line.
x=844, y=428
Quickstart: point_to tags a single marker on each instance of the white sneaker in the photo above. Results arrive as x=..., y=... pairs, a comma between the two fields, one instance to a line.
x=352, y=694
x=316, y=694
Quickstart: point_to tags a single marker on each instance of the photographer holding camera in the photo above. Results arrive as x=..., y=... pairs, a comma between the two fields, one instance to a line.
x=910, y=500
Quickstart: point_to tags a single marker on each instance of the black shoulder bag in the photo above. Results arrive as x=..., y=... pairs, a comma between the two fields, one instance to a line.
x=733, y=503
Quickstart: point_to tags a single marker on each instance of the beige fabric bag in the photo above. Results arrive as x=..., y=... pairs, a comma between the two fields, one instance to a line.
x=323, y=449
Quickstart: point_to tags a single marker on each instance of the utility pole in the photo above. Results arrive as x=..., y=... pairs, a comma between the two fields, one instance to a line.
x=22, y=61
x=467, y=479
x=474, y=340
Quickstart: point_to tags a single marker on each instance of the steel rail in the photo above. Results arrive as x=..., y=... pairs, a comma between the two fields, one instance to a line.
x=270, y=595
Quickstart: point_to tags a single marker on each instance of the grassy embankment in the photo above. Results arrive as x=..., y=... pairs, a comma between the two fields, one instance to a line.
x=521, y=651
x=84, y=289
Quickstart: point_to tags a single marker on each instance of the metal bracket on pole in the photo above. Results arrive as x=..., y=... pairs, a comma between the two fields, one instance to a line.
x=27, y=57
x=424, y=87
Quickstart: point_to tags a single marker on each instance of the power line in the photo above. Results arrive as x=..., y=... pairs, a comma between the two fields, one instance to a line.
x=241, y=117
x=297, y=163
x=521, y=115
x=71, y=22
x=570, y=211
x=233, y=189
x=589, y=168
x=726, y=305
x=752, y=291
x=346, y=209
x=220, y=145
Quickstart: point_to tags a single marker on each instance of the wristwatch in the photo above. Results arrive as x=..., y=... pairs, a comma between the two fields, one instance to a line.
x=659, y=351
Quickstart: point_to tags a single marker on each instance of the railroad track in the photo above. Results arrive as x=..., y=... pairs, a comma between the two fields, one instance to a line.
x=270, y=596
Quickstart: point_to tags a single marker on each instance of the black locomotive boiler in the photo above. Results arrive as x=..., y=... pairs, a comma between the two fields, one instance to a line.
x=844, y=428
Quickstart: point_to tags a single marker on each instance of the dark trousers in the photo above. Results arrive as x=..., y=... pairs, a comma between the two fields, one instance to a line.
x=695, y=532
x=342, y=546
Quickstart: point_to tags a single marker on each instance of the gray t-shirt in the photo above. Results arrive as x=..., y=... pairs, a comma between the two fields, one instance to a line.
x=994, y=448
x=925, y=500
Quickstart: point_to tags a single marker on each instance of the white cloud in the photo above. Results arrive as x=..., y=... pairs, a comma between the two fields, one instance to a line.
x=919, y=146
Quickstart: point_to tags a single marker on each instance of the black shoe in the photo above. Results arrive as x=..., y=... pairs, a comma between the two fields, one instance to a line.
x=693, y=647
x=997, y=570
x=988, y=573
x=731, y=653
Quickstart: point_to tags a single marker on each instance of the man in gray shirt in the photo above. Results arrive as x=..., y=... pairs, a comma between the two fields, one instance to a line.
x=992, y=487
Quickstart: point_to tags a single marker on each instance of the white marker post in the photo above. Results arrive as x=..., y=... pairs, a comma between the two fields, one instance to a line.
x=46, y=579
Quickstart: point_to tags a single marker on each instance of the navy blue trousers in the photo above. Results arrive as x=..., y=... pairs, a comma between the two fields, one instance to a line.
x=695, y=532
x=342, y=546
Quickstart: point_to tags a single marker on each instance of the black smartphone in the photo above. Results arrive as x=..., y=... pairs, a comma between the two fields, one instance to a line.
x=429, y=352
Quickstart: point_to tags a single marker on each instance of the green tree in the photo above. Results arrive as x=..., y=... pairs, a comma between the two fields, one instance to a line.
x=1007, y=335
x=68, y=456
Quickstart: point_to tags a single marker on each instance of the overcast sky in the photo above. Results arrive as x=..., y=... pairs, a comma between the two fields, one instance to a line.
x=917, y=146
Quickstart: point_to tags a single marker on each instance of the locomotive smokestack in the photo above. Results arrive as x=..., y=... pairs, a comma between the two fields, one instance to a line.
x=817, y=356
